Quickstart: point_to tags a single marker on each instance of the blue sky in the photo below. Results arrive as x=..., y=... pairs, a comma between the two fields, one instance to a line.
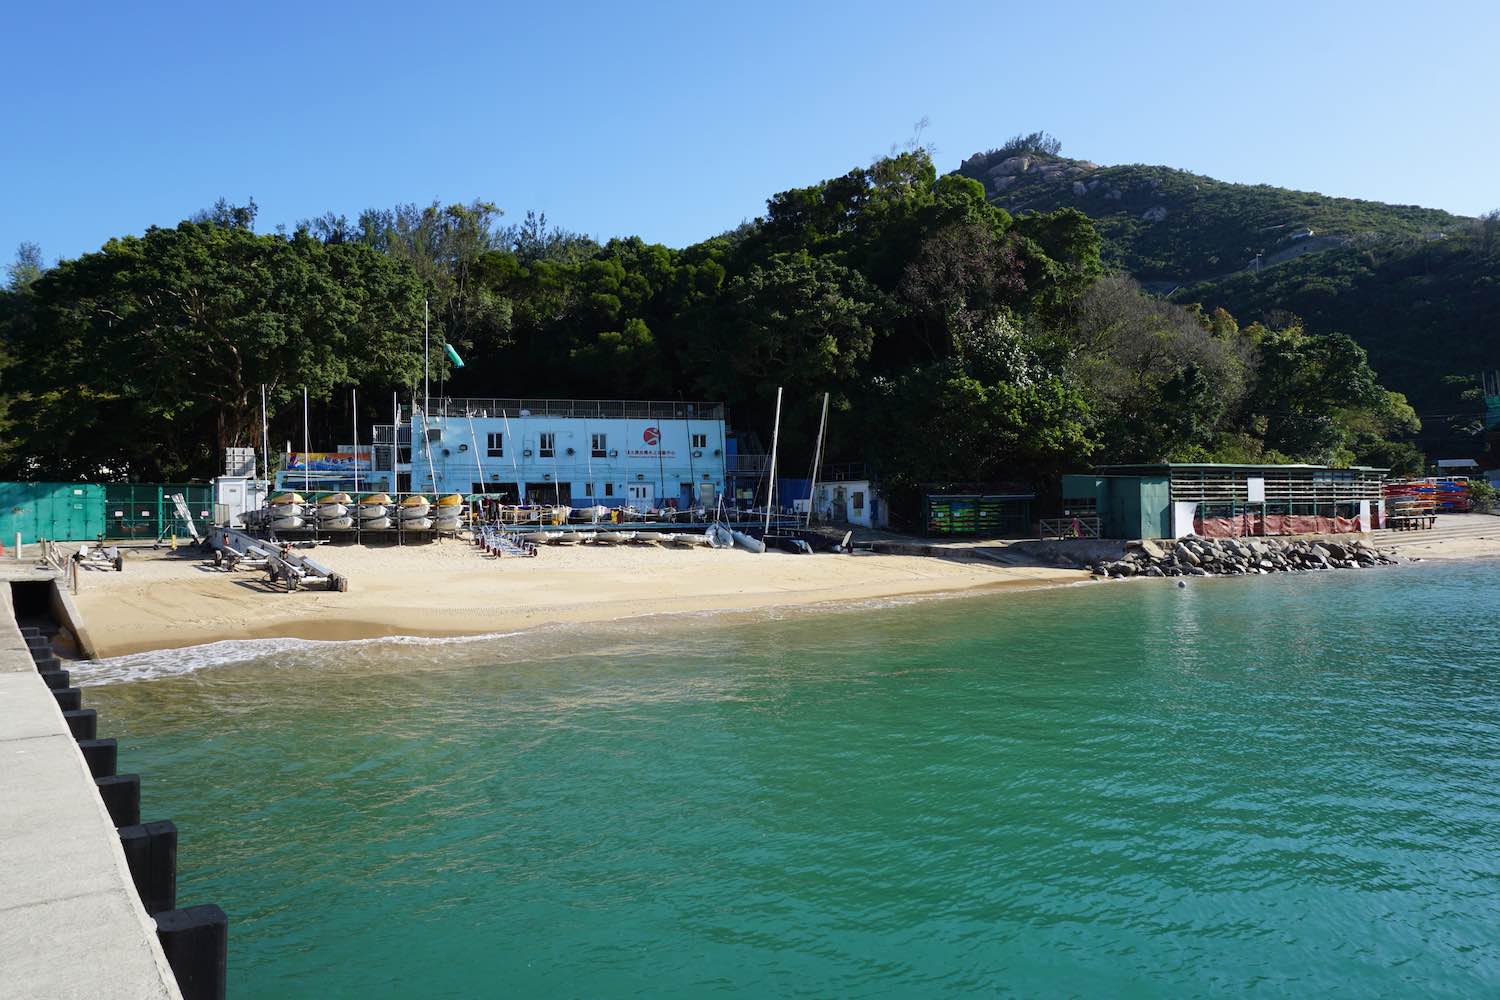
x=676, y=121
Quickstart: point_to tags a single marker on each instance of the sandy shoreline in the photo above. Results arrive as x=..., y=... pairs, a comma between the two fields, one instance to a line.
x=165, y=600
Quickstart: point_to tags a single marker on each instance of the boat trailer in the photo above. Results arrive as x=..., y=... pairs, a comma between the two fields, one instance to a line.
x=100, y=556
x=235, y=549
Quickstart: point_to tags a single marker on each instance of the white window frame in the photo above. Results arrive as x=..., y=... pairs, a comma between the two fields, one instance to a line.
x=700, y=441
x=546, y=444
x=599, y=445
x=492, y=449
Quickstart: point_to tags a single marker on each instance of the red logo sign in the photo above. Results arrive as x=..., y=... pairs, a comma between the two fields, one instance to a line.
x=652, y=435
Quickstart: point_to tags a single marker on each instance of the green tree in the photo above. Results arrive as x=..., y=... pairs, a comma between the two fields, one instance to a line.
x=26, y=268
x=146, y=358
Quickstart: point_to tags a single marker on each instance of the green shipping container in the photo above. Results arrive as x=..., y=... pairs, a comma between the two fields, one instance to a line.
x=64, y=512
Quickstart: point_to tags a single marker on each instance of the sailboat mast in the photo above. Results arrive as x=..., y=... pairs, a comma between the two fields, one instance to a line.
x=354, y=397
x=812, y=489
x=775, y=437
x=306, y=474
x=265, y=435
x=426, y=366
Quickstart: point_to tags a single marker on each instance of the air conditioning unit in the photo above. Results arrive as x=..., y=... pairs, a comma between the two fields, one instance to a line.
x=614, y=453
x=526, y=453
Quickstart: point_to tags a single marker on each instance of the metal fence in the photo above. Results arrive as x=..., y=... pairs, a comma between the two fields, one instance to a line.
x=145, y=510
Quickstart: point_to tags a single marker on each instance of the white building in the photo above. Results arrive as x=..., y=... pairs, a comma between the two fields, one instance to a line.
x=578, y=452
x=851, y=502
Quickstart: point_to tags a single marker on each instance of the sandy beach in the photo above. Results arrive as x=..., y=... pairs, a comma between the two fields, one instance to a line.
x=165, y=600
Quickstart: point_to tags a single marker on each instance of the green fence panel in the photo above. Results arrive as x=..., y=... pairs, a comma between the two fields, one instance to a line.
x=60, y=511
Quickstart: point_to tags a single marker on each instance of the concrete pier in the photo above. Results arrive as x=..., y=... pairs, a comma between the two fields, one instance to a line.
x=71, y=921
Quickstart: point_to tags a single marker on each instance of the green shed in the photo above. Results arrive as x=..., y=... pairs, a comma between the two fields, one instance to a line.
x=60, y=511
x=1135, y=506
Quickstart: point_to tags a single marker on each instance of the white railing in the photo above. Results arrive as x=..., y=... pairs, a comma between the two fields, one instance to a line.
x=65, y=565
x=598, y=409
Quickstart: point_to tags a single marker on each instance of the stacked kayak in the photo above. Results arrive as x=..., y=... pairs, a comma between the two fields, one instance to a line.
x=285, y=512
x=333, y=513
x=448, y=513
x=413, y=513
x=374, y=512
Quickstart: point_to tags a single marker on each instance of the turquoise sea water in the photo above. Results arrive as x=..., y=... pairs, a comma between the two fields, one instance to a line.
x=1277, y=786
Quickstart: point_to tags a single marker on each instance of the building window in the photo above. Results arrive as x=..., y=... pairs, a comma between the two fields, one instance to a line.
x=546, y=444
x=600, y=445
x=700, y=440
x=859, y=500
x=609, y=489
x=495, y=447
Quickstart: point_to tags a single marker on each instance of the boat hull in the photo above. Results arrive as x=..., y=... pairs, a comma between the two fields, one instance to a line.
x=747, y=542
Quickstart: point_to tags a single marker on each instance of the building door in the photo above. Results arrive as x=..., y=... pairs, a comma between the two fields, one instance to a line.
x=641, y=494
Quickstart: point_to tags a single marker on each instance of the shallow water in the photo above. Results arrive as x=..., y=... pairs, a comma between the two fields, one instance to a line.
x=1289, y=785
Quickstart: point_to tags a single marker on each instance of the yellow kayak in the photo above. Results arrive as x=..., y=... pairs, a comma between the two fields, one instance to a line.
x=451, y=500
x=416, y=501
x=287, y=498
x=377, y=499
x=336, y=498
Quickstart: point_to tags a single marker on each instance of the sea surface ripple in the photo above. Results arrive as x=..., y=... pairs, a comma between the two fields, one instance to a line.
x=1282, y=786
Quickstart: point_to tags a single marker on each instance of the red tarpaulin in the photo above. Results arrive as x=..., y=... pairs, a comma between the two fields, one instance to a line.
x=1251, y=524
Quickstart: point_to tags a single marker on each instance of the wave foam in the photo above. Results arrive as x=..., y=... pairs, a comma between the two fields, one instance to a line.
x=160, y=663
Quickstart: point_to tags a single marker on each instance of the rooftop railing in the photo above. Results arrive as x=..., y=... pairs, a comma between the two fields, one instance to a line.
x=586, y=409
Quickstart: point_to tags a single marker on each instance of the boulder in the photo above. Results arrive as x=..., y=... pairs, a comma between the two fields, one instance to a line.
x=1155, y=213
